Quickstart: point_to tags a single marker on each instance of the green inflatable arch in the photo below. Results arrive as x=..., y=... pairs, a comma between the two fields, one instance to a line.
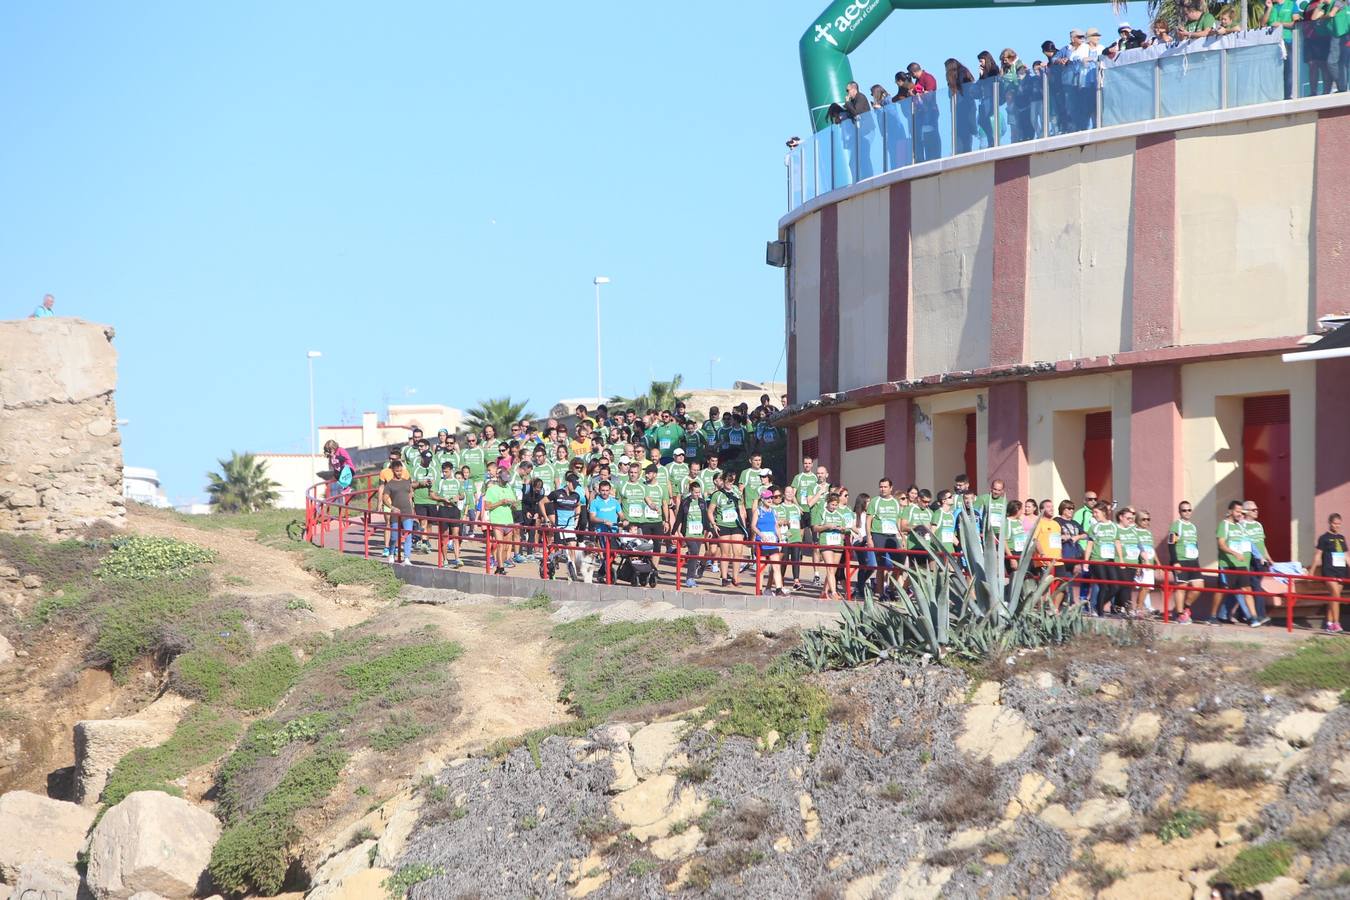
x=844, y=25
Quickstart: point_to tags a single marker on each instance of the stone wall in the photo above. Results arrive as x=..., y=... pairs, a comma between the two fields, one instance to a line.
x=60, y=452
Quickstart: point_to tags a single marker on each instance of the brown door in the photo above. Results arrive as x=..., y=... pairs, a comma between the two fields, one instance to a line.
x=1097, y=453
x=1265, y=467
x=972, y=455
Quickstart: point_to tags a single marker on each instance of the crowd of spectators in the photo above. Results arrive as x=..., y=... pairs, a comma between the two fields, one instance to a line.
x=620, y=483
x=1069, y=74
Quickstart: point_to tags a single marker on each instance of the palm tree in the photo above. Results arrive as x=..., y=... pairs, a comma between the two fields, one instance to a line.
x=241, y=485
x=499, y=412
x=659, y=395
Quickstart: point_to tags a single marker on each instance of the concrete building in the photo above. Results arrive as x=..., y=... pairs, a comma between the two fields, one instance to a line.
x=1102, y=310
x=142, y=486
x=395, y=428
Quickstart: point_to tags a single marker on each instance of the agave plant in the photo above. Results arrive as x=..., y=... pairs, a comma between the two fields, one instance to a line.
x=962, y=607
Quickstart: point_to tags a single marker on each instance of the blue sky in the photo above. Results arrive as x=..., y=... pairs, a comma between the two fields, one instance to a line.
x=421, y=192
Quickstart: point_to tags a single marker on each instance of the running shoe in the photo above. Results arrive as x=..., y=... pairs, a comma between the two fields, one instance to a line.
x=499, y=571
x=385, y=552
x=1257, y=623
x=1330, y=627
x=1184, y=618
x=1336, y=627
x=689, y=582
x=457, y=563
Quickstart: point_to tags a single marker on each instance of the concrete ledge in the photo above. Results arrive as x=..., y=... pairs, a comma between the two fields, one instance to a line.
x=580, y=592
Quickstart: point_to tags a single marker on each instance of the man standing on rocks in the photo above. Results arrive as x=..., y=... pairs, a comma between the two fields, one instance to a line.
x=45, y=310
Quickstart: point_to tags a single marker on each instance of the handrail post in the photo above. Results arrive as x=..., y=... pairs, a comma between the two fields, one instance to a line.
x=1157, y=88
x=998, y=119
x=1223, y=78
x=543, y=552
x=679, y=561
x=609, y=560
x=1097, y=119
x=848, y=574
x=365, y=534
x=1166, y=588
x=487, y=550
x=951, y=102
x=1296, y=65
x=857, y=150
x=1045, y=102
x=759, y=570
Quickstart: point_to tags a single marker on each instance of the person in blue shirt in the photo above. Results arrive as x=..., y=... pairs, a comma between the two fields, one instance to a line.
x=45, y=309
x=604, y=511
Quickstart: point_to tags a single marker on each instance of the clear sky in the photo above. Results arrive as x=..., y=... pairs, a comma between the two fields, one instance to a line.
x=422, y=191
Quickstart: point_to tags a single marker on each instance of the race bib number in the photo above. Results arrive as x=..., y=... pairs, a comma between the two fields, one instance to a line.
x=1146, y=553
x=889, y=527
x=1241, y=547
x=693, y=529
x=1338, y=559
x=664, y=443
x=1131, y=554
x=1020, y=542
x=727, y=516
x=833, y=539
x=794, y=521
x=995, y=520
x=1106, y=550
x=636, y=510
x=736, y=439
x=949, y=536
x=1056, y=542
x=1190, y=551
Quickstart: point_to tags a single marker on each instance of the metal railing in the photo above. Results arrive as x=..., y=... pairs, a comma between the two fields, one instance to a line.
x=1200, y=75
x=356, y=516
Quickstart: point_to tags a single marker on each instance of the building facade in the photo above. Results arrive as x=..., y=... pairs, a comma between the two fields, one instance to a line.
x=1103, y=310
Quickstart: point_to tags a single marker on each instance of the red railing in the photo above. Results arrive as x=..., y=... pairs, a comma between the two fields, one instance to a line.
x=328, y=513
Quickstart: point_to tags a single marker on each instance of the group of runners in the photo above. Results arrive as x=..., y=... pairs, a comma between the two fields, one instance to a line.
x=622, y=485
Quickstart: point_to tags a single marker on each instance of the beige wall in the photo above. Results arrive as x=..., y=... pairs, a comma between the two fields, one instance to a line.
x=294, y=473
x=1055, y=412
x=1078, y=277
x=864, y=270
x=805, y=272
x=1242, y=243
x=940, y=436
x=862, y=468
x=952, y=269
x=1211, y=396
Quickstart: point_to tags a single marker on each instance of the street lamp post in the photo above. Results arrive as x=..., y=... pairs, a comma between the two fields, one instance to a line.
x=313, y=472
x=712, y=362
x=599, y=371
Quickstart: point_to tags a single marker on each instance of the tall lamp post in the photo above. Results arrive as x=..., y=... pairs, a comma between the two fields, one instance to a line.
x=599, y=371
x=313, y=472
x=712, y=362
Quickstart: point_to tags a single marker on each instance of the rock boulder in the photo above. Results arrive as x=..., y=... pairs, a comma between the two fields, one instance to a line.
x=101, y=743
x=33, y=826
x=151, y=841
x=44, y=877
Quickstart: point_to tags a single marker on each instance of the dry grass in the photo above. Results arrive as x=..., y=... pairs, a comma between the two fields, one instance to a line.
x=962, y=795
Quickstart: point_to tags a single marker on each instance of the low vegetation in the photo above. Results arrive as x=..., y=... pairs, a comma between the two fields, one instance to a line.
x=1257, y=865
x=292, y=760
x=141, y=557
x=1316, y=665
x=772, y=707
x=203, y=736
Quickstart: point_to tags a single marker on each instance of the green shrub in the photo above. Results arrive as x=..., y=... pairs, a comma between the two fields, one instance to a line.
x=339, y=569
x=152, y=557
x=1317, y=665
x=623, y=665
x=132, y=617
x=375, y=676
x=252, y=853
x=264, y=738
x=1183, y=824
x=402, y=881
x=260, y=683
x=537, y=600
x=203, y=736
x=201, y=675
x=753, y=705
x=395, y=734
x=1257, y=865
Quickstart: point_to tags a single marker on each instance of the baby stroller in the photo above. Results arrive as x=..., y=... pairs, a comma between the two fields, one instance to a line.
x=633, y=568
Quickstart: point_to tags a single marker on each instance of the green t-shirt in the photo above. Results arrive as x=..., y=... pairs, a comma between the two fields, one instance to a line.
x=789, y=521
x=441, y=457
x=495, y=493
x=693, y=443
x=804, y=483
x=633, y=500
x=1279, y=14
x=1104, y=536
x=675, y=474
x=705, y=480
x=750, y=492
x=724, y=502
x=917, y=516
x=694, y=526
x=422, y=495
x=1129, y=542
x=452, y=489
x=1187, y=542
x=1204, y=23
x=1234, y=534
x=1014, y=536
x=1256, y=534
x=476, y=460
x=547, y=472
x=665, y=438
x=995, y=514
x=884, y=513
x=818, y=509
x=839, y=517
x=943, y=525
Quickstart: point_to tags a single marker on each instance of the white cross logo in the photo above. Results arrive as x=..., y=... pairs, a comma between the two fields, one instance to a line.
x=823, y=31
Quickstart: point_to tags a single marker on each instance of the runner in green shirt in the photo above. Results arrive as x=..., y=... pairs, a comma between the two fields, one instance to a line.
x=832, y=530
x=677, y=472
x=881, y=524
x=1183, y=546
x=666, y=436
x=693, y=441
x=1103, y=549
x=632, y=494
x=708, y=476
x=476, y=459
x=918, y=516
x=448, y=493
x=726, y=505
x=943, y=524
x=790, y=518
x=1235, y=558
x=500, y=504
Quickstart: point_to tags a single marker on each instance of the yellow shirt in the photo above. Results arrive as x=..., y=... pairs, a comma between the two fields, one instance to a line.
x=1048, y=538
x=580, y=448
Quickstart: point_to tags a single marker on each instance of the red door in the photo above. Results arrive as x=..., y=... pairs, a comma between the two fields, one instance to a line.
x=971, y=454
x=1097, y=453
x=1265, y=467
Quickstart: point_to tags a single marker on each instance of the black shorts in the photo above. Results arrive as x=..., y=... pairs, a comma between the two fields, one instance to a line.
x=448, y=512
x=426, y=510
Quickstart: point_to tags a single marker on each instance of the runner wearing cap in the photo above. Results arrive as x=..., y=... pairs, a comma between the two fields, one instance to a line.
x=726, y=505
x=677, y=473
